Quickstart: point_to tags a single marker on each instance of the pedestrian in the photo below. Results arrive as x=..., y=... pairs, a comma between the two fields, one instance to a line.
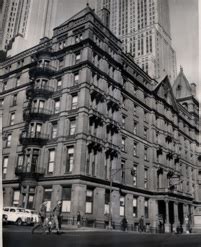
x=57, y=215
x=141, y=224
x=78, y=219
x=42, y=215
x=124, y=224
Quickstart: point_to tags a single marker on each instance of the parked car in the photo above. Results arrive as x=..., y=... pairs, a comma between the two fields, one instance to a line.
x=18, y=215
x=33, y=215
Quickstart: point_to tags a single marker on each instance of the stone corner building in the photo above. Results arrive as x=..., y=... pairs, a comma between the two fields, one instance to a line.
x=77, y=110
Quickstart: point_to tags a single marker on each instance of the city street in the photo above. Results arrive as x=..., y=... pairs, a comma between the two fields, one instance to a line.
x=21, y=236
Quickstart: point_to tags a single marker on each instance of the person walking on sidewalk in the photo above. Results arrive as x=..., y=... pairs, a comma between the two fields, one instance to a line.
x=57, y=215
x=141, y=224
x=78, y=219
x=42, y=215
x=124, y=224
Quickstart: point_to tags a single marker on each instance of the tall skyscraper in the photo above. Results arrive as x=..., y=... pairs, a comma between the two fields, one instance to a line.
x=14, y=20
x=24, y=22
x=144, y=28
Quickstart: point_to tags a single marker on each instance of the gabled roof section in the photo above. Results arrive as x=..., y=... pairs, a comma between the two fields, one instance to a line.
x=81, y=13
x=181, y=86
x=164, y=91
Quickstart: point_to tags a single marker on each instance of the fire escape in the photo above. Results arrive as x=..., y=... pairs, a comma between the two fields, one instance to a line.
x=35, y=115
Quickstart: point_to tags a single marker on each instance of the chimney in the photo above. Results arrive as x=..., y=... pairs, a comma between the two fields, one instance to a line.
x=104, y=14
x=193, y=88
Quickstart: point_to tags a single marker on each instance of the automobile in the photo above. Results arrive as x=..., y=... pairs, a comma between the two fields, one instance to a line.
x=18, y=216
x=4, y=219
x=33, y=215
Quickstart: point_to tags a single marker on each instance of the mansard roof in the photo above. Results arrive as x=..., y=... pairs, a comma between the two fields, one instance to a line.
x=164, y=91
x=181, y=86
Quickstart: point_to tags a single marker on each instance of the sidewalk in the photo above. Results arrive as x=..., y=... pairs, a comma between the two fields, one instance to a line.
x=69, y=228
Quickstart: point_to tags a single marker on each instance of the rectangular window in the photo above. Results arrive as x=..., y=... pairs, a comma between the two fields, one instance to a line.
x=20, y=160
x=123, y=122
x=123, y=140
x=123, y=171
x=107, y=202
x=76, y=78
x=38, y=128
x=1, y=102
x=66, y=199
x=89, y=201
x=18, y=81
x=122, y=205
x=47, y=197
x=16, y=198
x=14, y=100
x=54, y=130
x=134, y=207
x=70, y=159
x=5, y=86
x=77, y=57
x=56, y=106
x=5, y=166
x=145, y=133
x=146, y=153
x=41, y=104
x=145, y=178
x=134, y=174
x=59, y=84
x=51, y=161
x=135, y=149
x=74, y=103
x=12, y=118
x=135, y=128
x=72, y=127
x=146, y=208
x=8, y=142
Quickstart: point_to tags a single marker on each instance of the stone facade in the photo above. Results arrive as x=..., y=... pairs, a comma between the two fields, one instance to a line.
x=78, y=112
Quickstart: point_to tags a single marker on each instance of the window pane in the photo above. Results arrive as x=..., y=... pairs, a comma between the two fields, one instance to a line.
x=88, y=207
x=5, y=162
x=66, y=206
x=20, y=160
x=52, y=155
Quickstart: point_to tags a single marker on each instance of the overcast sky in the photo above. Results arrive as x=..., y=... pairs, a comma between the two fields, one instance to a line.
x=184, y=30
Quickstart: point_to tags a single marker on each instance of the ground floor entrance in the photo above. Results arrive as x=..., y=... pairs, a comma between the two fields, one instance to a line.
x=174, y=216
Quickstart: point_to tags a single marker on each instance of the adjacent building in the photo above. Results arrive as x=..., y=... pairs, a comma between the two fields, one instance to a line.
x=78, y=112
x=24, y=22
x=144, y=29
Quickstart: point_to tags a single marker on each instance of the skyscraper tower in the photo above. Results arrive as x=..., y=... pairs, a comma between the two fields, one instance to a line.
x=24, y=22
x=144, y=28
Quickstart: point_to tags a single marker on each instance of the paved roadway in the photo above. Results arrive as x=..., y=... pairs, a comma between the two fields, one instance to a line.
x=14, y=236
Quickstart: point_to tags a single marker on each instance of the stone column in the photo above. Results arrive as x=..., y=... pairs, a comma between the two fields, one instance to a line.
x=99, y=203
x=129, y=208
x=140, y=206
x=78, y=199
x=8, y=197
x=153, y=212
x=167, y=223
x=115, y=206
x=176, y=220
x=56, y=195
x=38, y=197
